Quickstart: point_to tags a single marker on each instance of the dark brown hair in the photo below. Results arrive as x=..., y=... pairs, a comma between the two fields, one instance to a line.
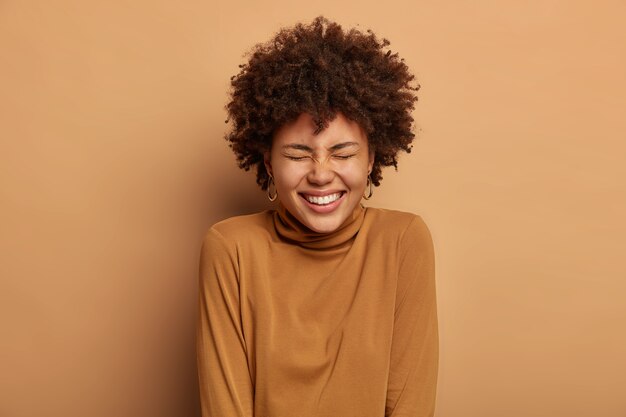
x=321, y=70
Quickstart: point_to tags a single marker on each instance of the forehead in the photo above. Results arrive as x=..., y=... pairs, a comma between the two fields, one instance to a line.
x=302, y=131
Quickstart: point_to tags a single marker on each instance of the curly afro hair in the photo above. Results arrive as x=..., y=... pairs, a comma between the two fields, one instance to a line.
x=321, y=70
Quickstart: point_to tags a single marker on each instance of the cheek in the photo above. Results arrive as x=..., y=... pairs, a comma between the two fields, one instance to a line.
x=288, y=175
x=354, y=176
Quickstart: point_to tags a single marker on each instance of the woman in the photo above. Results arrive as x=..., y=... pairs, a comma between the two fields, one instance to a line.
x=321, y=307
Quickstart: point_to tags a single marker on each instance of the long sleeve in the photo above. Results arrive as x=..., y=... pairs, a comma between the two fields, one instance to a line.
x=412, y=384
x=226, y=388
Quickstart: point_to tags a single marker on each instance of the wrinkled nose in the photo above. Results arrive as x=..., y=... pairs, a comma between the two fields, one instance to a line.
x=320, y=173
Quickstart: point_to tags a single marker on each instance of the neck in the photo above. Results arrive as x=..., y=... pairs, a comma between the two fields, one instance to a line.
x=291, y=229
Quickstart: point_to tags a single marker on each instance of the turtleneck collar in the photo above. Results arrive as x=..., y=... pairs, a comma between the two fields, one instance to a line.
x=292, y=229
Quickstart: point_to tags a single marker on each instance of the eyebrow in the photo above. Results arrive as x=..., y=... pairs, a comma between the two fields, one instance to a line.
x=300, y=147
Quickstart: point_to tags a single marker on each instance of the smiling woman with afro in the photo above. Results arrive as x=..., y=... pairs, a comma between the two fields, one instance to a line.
x=321, y=307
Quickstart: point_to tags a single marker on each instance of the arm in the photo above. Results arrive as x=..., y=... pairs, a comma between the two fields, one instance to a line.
x=412, y=385
x=225, y=385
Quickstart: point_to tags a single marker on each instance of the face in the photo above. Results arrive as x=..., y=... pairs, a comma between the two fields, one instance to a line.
x=320, y=178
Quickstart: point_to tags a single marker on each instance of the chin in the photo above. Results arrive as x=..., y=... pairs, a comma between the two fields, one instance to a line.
x=321, y=223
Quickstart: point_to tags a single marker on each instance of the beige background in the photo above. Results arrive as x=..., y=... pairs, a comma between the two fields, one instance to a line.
x=112, y=166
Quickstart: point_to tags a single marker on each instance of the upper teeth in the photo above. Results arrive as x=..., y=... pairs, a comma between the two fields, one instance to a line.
x=327, y=199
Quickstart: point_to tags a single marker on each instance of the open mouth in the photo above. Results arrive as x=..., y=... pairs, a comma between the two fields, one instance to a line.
x=323, y=200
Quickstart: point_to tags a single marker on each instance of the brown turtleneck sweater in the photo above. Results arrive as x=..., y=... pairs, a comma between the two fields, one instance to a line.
x=295, y=323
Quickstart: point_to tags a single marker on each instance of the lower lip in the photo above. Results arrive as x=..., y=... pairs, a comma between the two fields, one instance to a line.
x=327, y=208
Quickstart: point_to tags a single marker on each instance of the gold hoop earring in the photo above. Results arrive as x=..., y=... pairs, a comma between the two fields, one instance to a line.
x=368, y=186
x=269, y=184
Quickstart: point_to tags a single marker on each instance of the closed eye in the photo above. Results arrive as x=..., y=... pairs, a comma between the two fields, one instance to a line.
x=296, y=158
x=343, y=157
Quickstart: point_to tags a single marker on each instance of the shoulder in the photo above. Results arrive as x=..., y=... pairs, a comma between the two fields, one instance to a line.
x=243, y=225
x=405, y=232
x=227, y=239
x=396, y=222
x=236, y=231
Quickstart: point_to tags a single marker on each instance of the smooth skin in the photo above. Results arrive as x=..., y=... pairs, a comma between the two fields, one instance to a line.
x=320, y=167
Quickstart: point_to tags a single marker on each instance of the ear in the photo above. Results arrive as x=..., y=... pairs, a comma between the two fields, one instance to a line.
x=370, y=163
x=268, y=162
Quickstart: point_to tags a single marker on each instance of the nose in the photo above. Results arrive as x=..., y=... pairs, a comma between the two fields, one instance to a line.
x=320, y=173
